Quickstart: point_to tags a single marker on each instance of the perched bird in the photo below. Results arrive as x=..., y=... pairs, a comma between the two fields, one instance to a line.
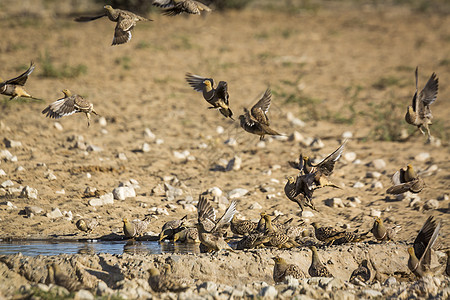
x=217, y=97
x=297, y=190
x=447, y=268
x=167, y=282
x=406, y=180
x=86, y=225
x=327, y=233
x=14, y=87
x=317, y=269
x=419, y=261
x=134, y=229
x=252, y=240
x=419, y=112
x=187, y=235
x=275, y=238
x=171, y=227
x=125, y=23
x=176, y=7
x=57, y=276
x=348, y=237
x=70, y=104
x=362, y=273
x=283, y=269
x=213, y=239
x=242, y=227
x=256, y=121
x=381, y=233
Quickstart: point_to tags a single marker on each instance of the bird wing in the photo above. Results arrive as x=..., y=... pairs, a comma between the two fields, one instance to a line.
x=326, y=166
x=429, y=93
x=227, y=216
x=196, y=82
x=261, y=108
x=121, y=33
x=248, y=119
x=222, y=91
x=21, y=79
x=205, y=210
x=415, y=103
x=164, y=3
x=299, y=165
x=88, y=19
x=401, y=187
x=202, y=6
x=60, y=108
x=425, y=239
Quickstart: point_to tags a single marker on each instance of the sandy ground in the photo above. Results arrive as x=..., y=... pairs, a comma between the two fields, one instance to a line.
x=350, y=71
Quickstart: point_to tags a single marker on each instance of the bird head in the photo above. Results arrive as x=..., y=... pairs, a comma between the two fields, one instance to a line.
x=125, y=220
x=365, y=263
x=409, y=167
x=208, y=84
x=315, y=225
x=108, y=7
x=167, y=268
x=378, y=220
x=291, y=179
x=278, y=260
x=153, y=272
x=66, y=92
x=262, y=214
x=411, y=251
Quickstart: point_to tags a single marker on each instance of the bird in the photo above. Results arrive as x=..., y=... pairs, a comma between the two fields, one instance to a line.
x=419, y=261
x=213, y=239
x=447, y=268
x=176, y=7
x=282, y=269
x=125, y=23
x=167, y=281
x=68, y=105
x=275, y=238
x=406, y=180
x=205, y=213
x=242, y=227
x=57, y=276
x=187, y=235
x=381, y=233
x=348, y=237
x=362, y=273
x=419, y=112
x=14, y=87
x=297, y=190
x=317, y=269
x=86, y=225
x=134, y=229
x=171, y=227
x=256, y=121
x=217, y=97
x=326, y=233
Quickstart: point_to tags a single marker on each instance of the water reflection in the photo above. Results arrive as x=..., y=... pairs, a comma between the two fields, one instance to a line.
x=33, y=248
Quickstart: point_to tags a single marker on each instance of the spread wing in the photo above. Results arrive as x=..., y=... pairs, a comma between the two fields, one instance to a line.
x=222, y=91
x=60, y=108
x=260, y=109
x=164, y=3
x=429, y=93
x=196, y=82
x=227, y=216
x=326, y=166
x=22, y=78
x=88, y=19
x=425, y=239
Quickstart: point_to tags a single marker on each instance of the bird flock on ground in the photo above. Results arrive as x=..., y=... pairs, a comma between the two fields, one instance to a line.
x=210, y=232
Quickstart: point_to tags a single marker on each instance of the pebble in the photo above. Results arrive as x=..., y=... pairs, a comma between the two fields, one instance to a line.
x=2, y=173
x=123, y=192
x=334, y=202
x=36, y=210
x=29, y=193
x=379, y=164
x=431, y=204
x=358, y=184
x=354, y=200
x=104, y=199
x=159, y=211
x=377, y=185
x=220, y=130
x=172, y=192
x=296, y=137
x=231, y=142
x=281, y=138
x=54, y=214
x=20, y=169
x=424, y=156
x=159, y=141
x=102, y=121
x=189, y=207
x=215, y=191
x=237, y=193
x=148, y=134
x=317, y=144
x=347, y=135
x=7, y=183
x=349, y=156
x=93, y=148
x=307, y=214
x=122, y=156
x=294, y=121
x=181, y=155
x=9, y=205
x=6, y=155
x=261, y=144
x=372, y=293
x=268, y=292
x=390, y=281
x=145, y=148
x=84, y=294
x=58, y=126
x=50, y=176
x=11, y=143
x=209, y=286
x=255, y=205
x=373, y=174
x=416, y=204
x=375, y=213
x=234, y=164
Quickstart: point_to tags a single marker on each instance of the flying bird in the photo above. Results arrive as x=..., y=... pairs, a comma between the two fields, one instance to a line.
x=256, y=121
x=14, y=87
x=217, y=97
x=419, y=112
x=125, y=23
x=68, y=105
x=176, y=7
x=406, y=180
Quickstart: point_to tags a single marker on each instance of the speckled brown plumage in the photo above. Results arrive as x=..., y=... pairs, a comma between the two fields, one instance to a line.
x=242, y=227
x=282, y=269
x=176, y=7
x=167, y=281
x=317, y=269
x=86, y=225
x=383, y=233
x=406, y=180
x=171, y=227
x=362, y=273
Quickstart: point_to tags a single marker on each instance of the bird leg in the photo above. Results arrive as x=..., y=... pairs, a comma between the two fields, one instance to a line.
x=88, y=116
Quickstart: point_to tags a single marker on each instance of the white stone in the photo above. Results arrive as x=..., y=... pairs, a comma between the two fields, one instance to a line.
x=268, y=292
x=102, y=121
x=347, y=135
x=202, y=146
x=307, y=214
x=58, y=126
x=2, y=173
x=54, y=214
x=50, y=176
x=334, y=202
x=379, y=164
x=29, y=193
x=375, y=213
x=93, y=148
x=148, y=134
x=377, y=185
x=123, y=192
x=61, y=192
x=159, y=211
x=83, y=295
x=296, y=137
x=33, y=209
x=104, y=199
x=349, y=156
x=6, y=155
x=122, y=156
x=373, y=174
x=282, y=137
x=255, y=205
x=9, y=205
x=372, y=293
x=181, y=155
x=220, y=130
x=189, y=207
x=159, y=141
x=145, y=147
x=231, y=142
x=431, y=204
x=215, y=191
x=234, y=164
x=358, y=184
x=317, y=144
x=424, y=156
x=355, y=200
x=12, y=144
x=294, y=121
x=261, y=144
x=237, y=193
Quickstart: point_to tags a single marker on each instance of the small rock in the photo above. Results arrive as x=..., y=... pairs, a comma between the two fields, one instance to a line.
x=29, y=193
x=209, y=286
x=354, y=200
x=291, y=281
x=93, y=148
x=296, y=137
x=20, y=169
x=374, y=174
x=6, y=155
x=7, y=183
x=123, y=192
x=231, y=142
x=317, y=144
x=431, y=204
x=334, y=202
x=102, y=121
x=36, y=210
x=294, y=121
x=234, y=164
x=148, y=134
x=145, y=148
x=390, y=281
x=307, y=214
x=269, y=292
x=83, y=294
x=2, y=173
x=159, y=141
x=104, y=199
x=372, y=293
x=9, y=205
x=159, y=211
x=11, y=144
x=181, y=155
x=58, y=126
x=159, y=190
x=347, y=135
x=189, y=207
x=50, y=176
x=122, y=156
x=172, y=192
x=261, y=144
x=220, y=130
x=444, y=197
x=424, y=156
x=358, y=184
x=255, y=205
x=377, y=185
x=379, y=164
x=375, y=213
x=416, y=204
x=215, y=192
x=54, y=214
x=349, y=156
x=237, y=193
